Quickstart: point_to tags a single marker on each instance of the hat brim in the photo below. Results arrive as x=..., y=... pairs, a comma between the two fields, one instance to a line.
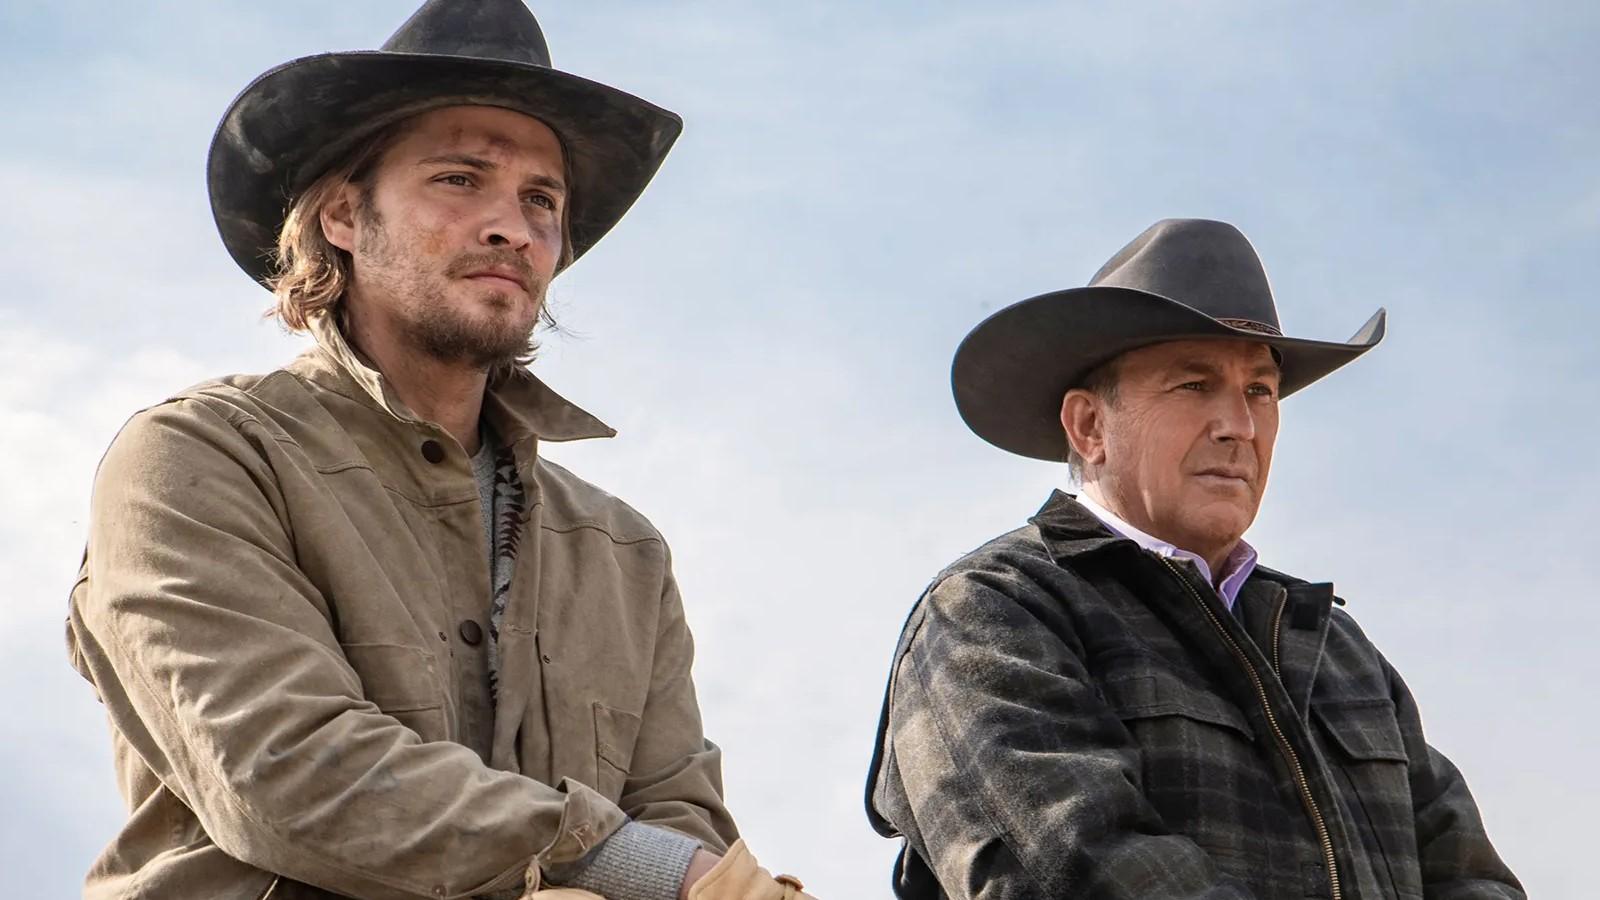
x=1012, y=370
x=294, y=121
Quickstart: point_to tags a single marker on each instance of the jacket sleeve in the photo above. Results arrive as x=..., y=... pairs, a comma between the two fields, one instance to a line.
x=1021, y=781
x=1457, y=860
x=216, y=660
x=675, y=776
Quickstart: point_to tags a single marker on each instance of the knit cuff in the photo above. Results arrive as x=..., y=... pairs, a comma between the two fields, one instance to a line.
x=637, y=862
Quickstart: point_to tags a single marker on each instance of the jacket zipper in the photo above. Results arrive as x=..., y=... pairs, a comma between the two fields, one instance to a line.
x=1277, y=633
x=1318, y=822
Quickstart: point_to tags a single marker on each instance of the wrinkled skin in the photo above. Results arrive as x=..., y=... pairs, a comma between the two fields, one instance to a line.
x=1182, y=448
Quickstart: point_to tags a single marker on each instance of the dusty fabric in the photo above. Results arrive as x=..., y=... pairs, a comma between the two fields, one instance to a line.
x=637, y=862
x=1072, y=716
x=284, y=609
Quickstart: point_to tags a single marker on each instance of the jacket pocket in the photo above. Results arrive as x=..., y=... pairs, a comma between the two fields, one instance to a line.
x=615, y=732
x=1197, y=761
x=401, y=681
x=1156, y=694
x=1363, y=730
x=1371, y=765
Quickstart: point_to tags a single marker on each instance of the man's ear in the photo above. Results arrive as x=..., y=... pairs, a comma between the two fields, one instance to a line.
x=1083, y=420
x=338, y=217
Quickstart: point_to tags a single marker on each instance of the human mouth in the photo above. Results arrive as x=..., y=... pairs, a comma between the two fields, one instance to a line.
x=1224, y=477
x=499, y=278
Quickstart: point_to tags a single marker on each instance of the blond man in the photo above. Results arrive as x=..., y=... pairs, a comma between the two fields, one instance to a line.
x=354, y=635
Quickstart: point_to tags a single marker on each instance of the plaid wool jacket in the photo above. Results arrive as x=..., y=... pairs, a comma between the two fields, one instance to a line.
x=1071, y=716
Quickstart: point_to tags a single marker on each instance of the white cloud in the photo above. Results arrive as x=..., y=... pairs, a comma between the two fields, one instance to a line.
x=63, y=400
x=771, y=329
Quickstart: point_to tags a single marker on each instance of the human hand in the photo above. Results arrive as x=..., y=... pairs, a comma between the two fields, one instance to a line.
x=737, y=876
x=699, y=867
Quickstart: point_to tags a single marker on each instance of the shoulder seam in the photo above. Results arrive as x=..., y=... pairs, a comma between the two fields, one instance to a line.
x=582, y=524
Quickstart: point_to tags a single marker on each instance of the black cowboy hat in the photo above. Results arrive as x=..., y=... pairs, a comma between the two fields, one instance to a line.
x=1179, y=280
x=293, y=122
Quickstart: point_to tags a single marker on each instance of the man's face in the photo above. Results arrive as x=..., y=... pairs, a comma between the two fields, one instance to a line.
x=1184, y=450
x=455, y=235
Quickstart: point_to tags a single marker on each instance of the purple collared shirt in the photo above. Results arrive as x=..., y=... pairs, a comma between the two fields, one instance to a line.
x=1235, y=569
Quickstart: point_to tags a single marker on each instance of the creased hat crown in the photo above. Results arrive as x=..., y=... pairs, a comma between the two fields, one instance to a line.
x=1182, y=279
x=486, y=29
x=1206, y=265
x=294, y=121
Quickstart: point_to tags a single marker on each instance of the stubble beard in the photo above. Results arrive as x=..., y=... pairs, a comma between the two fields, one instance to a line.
x=426, y=320
x=432, y=326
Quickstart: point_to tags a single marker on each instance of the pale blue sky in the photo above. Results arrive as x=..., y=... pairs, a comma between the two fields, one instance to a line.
x=770, y=329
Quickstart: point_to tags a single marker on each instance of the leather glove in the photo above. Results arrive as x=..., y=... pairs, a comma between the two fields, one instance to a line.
x=738, y=877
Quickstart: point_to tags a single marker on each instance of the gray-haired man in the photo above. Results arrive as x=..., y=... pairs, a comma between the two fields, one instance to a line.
x=1116, y=701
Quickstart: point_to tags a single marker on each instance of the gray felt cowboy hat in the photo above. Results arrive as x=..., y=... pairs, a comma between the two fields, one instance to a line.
x=293, y=122
x=1181, y=279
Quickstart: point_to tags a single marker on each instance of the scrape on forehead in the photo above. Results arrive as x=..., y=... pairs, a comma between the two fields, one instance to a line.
x=480, y=139
x=500, y=125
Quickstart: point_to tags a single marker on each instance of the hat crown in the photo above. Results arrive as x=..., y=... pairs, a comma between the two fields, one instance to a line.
x=1206, y=265
x=485, y=29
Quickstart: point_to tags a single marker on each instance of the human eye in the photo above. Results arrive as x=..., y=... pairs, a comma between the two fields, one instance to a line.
x=541, y=200
x=455, y=179
x=1192, y=386
x=1262, y=390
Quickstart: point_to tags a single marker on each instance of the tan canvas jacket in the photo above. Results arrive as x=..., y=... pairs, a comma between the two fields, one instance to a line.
x=274, y=609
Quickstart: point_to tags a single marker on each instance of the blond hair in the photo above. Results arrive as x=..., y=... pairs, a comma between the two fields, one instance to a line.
x=311, y=275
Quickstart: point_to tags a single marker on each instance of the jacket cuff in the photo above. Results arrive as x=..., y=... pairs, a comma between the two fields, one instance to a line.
x=587, y=819
x=638, y=862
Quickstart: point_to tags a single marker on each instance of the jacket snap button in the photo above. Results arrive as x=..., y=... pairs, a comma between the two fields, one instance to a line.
x=472, y=632
x=433, y=451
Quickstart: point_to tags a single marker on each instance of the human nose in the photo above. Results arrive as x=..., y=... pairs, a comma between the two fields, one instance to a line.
x=506, y=226
x=1234, y=420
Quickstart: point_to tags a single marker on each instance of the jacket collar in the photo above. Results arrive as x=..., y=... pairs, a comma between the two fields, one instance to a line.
x=517, y=406
x=1069, y=530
